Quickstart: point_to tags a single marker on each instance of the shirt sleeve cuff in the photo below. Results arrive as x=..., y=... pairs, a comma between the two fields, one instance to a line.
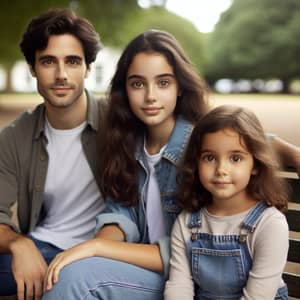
x=165, y=249
x=126, y=225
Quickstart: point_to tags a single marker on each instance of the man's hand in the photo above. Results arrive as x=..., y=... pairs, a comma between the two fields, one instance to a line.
x=29, y=269
x=288, y=153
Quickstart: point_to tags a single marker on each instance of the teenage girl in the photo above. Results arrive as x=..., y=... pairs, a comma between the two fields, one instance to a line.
x=156, y=96
x=231, y=240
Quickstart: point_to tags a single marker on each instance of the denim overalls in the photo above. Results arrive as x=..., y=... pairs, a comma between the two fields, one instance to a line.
x=221, y=263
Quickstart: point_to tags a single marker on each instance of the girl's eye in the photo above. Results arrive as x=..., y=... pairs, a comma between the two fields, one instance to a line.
x=235, y=158
x=208, y=158
x=137, y=84
x=163, y=83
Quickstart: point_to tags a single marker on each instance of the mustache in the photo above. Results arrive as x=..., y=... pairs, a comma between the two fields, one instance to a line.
x=63, y=84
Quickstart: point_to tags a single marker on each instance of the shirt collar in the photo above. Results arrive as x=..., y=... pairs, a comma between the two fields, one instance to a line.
x=177, y=142
x=92, y=115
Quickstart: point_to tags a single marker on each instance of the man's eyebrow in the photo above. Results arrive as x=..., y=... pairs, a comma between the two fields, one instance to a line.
x=74, y=57
x=46, y=57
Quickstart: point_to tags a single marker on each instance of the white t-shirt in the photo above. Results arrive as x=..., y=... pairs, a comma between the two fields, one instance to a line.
x=154, y=212
x=71, y=195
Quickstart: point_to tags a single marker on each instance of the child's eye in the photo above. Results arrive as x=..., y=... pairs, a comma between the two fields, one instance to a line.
x=235, y=158
x=163, y=83
x=209, y=158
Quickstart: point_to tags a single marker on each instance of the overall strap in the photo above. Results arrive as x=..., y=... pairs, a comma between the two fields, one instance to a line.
x=195, y=224
x=250, y=221
x=195, y=220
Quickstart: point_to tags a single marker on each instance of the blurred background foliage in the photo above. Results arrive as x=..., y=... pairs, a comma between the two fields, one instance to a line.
x=253, y=38
x=256, y=39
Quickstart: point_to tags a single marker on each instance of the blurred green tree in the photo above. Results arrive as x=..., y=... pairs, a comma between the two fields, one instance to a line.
x=14, y=16
x=158, y=17
x=117, y=22
x=256, y=39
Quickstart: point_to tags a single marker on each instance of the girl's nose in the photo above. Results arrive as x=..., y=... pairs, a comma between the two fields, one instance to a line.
x=150, y=97
x=221, y=168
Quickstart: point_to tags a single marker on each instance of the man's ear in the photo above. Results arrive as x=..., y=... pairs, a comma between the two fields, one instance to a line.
x=88, y=71
x=32, y=71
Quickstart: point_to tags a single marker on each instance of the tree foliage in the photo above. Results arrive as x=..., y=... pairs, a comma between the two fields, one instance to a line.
x=256, y=39
x=185, y=32
x=117, y=22
x=14, y=16
x=110, y=18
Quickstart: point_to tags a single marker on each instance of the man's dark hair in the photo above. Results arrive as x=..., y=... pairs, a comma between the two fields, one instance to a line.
x=56, y=22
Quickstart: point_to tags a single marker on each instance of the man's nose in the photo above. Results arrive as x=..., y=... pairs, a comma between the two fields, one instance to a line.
x=61, y=73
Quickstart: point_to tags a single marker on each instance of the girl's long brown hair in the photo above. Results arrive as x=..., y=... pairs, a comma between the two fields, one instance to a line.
x=265, y=186
x=118, y=165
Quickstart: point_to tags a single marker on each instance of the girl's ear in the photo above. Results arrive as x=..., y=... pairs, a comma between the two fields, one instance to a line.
x=254, y=171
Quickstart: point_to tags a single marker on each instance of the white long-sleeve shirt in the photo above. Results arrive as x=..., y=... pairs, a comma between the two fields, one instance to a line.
x=268, y=247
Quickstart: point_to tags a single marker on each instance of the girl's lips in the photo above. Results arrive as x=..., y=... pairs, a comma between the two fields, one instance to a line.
x=151, y=110
x=221, y=183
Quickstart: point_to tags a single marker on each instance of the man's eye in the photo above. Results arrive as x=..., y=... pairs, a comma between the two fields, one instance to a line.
x=73, y=62
x=47, y=61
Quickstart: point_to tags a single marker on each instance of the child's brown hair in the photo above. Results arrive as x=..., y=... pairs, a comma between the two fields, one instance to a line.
x=265, y=186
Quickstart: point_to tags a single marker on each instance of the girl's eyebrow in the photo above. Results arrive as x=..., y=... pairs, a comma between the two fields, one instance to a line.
x=231, y=151
x=157, y=76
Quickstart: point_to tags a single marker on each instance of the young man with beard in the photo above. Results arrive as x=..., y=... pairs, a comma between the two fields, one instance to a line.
x=48, y=157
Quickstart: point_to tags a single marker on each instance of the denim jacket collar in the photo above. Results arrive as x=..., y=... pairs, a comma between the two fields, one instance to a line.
x=177, y=142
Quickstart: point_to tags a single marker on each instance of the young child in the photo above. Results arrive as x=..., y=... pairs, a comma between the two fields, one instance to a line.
x=231, y=240
x=156, y=96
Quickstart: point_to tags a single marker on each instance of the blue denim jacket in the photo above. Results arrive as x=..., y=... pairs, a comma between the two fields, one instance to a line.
x=132, y=220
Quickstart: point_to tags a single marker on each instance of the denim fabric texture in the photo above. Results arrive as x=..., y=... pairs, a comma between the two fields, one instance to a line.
x=221, y=263
x=132, y=220
x=105, y=279
x=7, y=282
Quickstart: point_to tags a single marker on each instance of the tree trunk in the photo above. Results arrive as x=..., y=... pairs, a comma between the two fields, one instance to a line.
x=285, y=87
x=8, y=87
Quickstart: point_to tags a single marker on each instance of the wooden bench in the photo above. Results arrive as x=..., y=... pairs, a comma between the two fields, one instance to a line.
x=292, y=270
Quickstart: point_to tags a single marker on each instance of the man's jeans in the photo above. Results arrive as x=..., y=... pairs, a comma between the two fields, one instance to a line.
x=7, y=282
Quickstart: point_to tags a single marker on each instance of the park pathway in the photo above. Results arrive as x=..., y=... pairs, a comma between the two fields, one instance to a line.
x=280, y=115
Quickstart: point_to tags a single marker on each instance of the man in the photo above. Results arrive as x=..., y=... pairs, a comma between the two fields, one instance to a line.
x=48, y=158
